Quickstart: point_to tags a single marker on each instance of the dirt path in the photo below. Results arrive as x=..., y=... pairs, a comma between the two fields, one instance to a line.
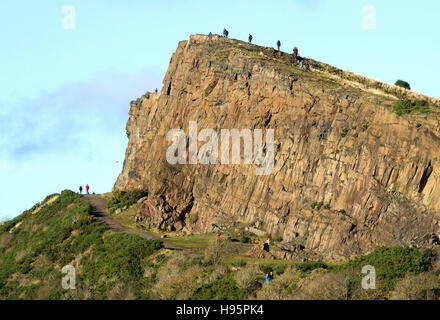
x=99, y=210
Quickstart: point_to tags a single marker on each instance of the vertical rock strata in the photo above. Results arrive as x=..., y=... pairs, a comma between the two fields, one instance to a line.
x=349, y=174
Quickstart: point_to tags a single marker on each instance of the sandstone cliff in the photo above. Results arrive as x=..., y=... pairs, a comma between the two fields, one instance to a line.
x=349, y=174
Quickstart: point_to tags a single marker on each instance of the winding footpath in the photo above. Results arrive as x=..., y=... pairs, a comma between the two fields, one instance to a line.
x=99, y=211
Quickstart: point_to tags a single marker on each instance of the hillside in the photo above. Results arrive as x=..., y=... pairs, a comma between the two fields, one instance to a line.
x=111, y=263
x=352, y=170
x=35, y=246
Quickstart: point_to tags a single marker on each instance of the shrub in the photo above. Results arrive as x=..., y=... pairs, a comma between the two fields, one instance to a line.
x=216, y=250
x=391, y=264
x=224, y=288
x=309, y=266
x=275, y=268
x=175, y=282
x=247, y=277
x=344, y=132
x=406, y=106
x=122, y=291
x=123, y=199
x=244, y=239
x=277, y=239
x=317, y=205
x=403, y=84
x=325, y=286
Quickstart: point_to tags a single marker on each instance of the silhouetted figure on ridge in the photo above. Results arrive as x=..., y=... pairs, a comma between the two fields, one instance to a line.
x=80, y=189
x=250, y=39
x=225, y=33
x=278, y=44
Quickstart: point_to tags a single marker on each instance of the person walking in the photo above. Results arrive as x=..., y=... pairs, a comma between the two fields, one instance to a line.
x=80, y=189
x=225, y=33
x=250, y=39
x=267, y=277
x=87, y=189
x=278, y=44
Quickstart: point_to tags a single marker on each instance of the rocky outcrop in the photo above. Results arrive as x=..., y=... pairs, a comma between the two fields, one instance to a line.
x=349, y=174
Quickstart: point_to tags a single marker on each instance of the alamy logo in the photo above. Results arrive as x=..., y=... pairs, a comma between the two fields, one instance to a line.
x=255, y=152
x=369, y=281
x=69, y=280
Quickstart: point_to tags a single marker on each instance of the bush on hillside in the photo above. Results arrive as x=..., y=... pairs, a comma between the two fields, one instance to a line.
x=407, y=106
x=123, y=199
x=392, y=264
x=224, y=288
x=403, y=84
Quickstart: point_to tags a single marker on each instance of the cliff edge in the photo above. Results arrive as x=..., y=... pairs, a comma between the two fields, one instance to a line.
x=349, y=174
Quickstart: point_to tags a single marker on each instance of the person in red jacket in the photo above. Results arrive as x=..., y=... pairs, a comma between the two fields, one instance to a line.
x=87, y=189
x=295, y=55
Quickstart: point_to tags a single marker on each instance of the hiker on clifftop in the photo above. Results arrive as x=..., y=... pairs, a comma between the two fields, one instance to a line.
x=80, y=189
x=225, y=33
x=295, y=55
x=87, y=189
x=250, y=39
x=278, y=44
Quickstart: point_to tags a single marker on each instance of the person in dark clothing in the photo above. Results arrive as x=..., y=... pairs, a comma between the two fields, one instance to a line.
x=225, y=32
x=250, y=39
x=87, y=189
x=278, y=44
x=80, y=189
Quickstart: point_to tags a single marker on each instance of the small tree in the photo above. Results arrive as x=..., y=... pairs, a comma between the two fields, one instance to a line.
x=403, y=84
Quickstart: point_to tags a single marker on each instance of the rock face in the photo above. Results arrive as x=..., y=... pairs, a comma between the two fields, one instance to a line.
x=349, y=174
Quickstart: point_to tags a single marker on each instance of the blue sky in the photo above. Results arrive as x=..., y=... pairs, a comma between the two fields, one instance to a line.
x=64, y=94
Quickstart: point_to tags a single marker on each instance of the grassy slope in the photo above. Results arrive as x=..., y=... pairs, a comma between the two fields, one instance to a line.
x=34, y=248
x=63, y=233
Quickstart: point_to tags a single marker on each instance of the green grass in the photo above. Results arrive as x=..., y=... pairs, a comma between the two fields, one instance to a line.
x=63, y=233
x=195, y=241
x=224, y=288
x=391, y=264
x=127, y=218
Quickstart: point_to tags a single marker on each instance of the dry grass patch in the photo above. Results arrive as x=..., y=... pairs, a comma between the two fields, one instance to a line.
x=325, y=285
x=424, y=286
x=281, y=287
